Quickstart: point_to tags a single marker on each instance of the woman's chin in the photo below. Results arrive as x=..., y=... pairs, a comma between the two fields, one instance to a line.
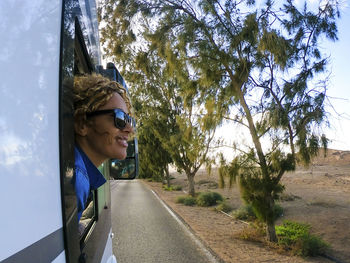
x=120, y=156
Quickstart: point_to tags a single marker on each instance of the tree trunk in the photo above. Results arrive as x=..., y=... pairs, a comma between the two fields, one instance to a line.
x=191, y=190
x=271, y=232
x=270, y=220
x=167, y=175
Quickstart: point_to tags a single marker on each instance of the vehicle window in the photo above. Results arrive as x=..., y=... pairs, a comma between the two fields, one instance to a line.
x=83, y=65
x=84, y=240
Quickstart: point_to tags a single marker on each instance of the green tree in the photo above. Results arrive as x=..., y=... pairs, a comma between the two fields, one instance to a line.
x=152, y=110
x=165, y=94
x=172, y=104
x=155, y=165
x=263, y=67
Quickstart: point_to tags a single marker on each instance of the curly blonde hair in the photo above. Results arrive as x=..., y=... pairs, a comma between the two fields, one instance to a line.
x=90, y=92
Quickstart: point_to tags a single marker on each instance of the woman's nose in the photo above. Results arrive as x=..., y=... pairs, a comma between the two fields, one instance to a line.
x=129, y=128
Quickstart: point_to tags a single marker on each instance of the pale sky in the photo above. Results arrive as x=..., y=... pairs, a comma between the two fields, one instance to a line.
x=339, y=88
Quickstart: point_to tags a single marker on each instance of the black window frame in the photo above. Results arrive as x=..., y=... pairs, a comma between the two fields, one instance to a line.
x=74, y=60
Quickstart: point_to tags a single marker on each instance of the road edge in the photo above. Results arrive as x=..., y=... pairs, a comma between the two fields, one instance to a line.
x=211, y=255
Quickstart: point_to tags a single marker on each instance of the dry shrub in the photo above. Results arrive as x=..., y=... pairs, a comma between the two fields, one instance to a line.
x=244, y=213
x=224, y=207
x=288, y=197
x=253, y=232
x=210, y=184
x=323, y=203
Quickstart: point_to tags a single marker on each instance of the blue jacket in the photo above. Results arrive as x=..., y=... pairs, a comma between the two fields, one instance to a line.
x=86, y=178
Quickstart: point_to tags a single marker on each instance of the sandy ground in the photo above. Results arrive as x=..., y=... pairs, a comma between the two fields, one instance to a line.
x=321, y=198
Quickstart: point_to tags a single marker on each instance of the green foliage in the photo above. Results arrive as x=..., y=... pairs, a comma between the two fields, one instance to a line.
x=151, y=166
x=186, y=200
x=172, y=188
x=289, y=232
x=296, y=237
x=228, y=170
x=311, y=245
x=247, y=213
x=208, y=199
x=256, y=190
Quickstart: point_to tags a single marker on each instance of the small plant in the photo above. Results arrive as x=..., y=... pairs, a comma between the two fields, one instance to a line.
x=253, y=232
x=204, y=182
x=190, y=201
x=208, y=199
x=177, y=187
x=323, y=203
x=172, y=188
x=312, y=245
x=224, y=207
x=244, y=213
x=289, y=232
x=296, y=237
x=186, y=200
x=288, y=197
x=213, y=185
x=180, y=199
x=167, y=188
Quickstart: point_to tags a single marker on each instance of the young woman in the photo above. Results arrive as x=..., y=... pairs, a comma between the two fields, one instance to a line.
x=102, y=128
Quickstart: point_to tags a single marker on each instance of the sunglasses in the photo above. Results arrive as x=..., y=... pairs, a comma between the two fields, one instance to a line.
x=121, y=119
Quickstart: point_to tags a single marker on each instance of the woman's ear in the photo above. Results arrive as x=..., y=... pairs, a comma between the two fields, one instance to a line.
x=80, y=127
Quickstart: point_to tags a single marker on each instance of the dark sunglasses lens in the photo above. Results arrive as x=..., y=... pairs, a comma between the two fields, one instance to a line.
x=120, y=123
x=120, y=119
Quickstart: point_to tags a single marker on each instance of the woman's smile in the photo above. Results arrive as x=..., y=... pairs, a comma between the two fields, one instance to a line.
x=122, y=140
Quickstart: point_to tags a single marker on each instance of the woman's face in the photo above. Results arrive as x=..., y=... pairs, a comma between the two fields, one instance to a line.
x=103, y=140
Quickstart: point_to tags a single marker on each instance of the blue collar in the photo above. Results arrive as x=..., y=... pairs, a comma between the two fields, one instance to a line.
x=96, y=179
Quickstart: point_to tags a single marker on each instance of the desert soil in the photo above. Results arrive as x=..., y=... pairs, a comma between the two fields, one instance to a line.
x=319, y=195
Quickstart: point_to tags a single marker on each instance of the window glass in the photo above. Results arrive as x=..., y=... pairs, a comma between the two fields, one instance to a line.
x=123, y=169
x=83, y=65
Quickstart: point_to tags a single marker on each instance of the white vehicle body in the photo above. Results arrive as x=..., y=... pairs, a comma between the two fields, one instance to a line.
x=36, y=58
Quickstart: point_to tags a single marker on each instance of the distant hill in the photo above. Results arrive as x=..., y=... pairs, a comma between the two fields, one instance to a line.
x=333, y=157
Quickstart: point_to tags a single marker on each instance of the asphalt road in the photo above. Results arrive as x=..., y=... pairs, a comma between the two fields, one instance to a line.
x=145, y=231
